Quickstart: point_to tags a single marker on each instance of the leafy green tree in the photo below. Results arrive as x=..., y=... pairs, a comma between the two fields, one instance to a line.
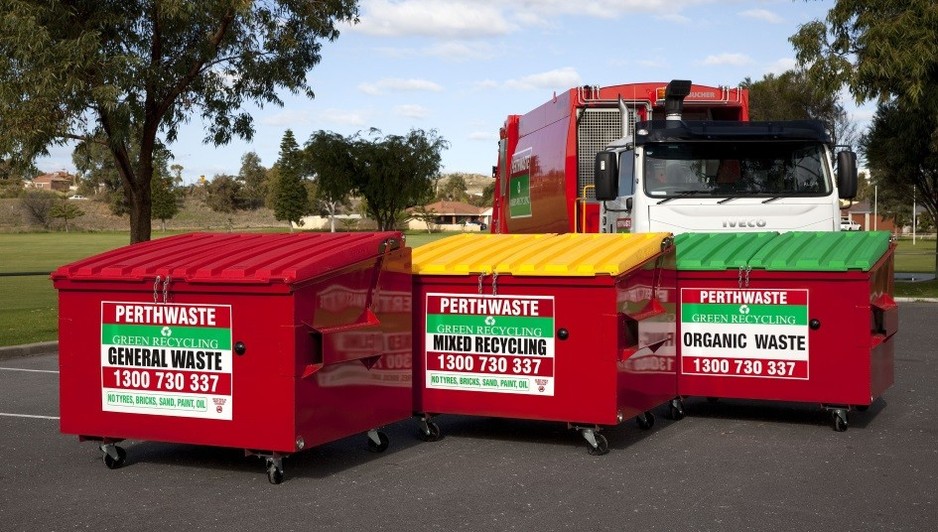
x=453, y=188
x=125, y=75
x=253, y=177
x=488, y=192
x=66, y=211
x=396, y=172
x=329, y=160
x=165, y=199
x=878, y=49
x=224, y=194
x=902, y=152
x=792, y=96
x=292, y=200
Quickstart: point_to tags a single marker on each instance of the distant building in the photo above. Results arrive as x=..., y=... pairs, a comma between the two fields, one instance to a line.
x=454, y=216
x=56, y=181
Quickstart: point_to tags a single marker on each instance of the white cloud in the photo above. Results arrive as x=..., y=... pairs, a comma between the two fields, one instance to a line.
x=479, y=19
x=762, y=14
x=733, y=59
x=461, y=51
x=561, y=78
x=399, y=85
x=411, y=111
x=675, y=18
x=782, y=65
x=486, y=84
x=344, y=117
x=432, y=18
x=287, y=119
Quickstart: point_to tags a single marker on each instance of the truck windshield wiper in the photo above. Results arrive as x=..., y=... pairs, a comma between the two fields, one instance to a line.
x=682, y=194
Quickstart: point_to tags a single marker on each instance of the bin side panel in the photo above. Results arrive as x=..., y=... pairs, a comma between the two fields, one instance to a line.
x=543, y=377
x=176, y=382
x=758, y=342
x=354, y=350
x=648, y=364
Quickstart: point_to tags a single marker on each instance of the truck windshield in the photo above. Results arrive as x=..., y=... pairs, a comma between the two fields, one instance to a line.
x=731, y=169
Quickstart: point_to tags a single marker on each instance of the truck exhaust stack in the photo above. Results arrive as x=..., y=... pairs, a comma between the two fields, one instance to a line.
x=674, y=96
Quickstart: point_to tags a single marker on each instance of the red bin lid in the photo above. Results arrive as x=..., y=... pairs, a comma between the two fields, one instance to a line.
x=232, y=258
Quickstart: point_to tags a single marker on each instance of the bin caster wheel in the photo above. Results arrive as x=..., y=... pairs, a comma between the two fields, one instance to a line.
x=378, y=446
x=645, y=421
x=274, y=473
x=601, y=448
x=676, y=410
x=839, y=418
x=431, y=433
x=114, y=457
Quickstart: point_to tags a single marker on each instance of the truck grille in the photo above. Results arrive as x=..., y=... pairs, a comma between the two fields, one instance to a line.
x=596, y=129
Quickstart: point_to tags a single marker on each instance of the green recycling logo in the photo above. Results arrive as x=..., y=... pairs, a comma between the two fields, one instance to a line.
x=744, y=309
x=166, y=331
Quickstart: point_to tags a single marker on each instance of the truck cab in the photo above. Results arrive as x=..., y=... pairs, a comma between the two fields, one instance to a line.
x=678, y=177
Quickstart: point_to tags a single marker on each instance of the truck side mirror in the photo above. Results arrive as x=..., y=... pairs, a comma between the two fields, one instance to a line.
x=847, y=174
x=606, y=176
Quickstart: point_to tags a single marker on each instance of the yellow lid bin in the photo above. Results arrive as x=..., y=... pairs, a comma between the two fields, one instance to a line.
x=573, y=328
x=550, y=255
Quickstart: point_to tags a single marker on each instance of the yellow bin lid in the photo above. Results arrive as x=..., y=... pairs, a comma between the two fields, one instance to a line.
x=548, y=255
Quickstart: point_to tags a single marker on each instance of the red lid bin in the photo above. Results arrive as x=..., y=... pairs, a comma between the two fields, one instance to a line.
x=268, y=342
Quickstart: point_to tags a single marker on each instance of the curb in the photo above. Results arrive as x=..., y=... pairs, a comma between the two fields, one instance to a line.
x=26, y=350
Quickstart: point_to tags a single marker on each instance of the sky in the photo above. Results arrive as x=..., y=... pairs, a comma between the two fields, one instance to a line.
x=460, y=67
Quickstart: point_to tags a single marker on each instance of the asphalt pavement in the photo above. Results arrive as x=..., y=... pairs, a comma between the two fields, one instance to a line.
x=729, y=465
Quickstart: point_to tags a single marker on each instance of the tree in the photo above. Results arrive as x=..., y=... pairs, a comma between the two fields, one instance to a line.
x=38, y=205
x=425, y=215
x=792, y=96
x=65, y=210
x=396, y=172
x=901, y=149
x=123, y=75
x=253, y=177
x=878, y=49
x=224, y=194
x=292, y=200
x=328, y=159
x=165, y=199
x=453, y=188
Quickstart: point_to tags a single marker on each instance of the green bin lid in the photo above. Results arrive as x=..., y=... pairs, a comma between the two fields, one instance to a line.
x=718, y=251
x=821, y=252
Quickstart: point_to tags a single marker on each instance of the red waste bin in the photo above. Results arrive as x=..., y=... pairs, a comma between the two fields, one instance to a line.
x=798, y=316
x=273, y=343
x=565, y=328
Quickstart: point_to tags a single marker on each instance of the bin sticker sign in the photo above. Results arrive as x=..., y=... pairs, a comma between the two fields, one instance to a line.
x=166, y=359
x=501, y=344
x=744, y=333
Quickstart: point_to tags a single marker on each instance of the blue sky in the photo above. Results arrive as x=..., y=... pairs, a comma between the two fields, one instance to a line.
x=462, y=66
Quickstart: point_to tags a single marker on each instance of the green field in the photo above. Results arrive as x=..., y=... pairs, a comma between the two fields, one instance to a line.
x=28, y=306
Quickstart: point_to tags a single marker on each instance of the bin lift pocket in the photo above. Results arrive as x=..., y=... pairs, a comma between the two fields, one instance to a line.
x=330, y=344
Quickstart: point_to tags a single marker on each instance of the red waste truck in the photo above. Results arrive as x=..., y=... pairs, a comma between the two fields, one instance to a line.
x=558, y=142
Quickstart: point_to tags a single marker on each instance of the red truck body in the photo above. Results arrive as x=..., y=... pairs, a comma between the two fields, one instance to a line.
x=561, y=138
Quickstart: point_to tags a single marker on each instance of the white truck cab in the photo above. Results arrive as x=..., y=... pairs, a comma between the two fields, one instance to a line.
x=676, y=176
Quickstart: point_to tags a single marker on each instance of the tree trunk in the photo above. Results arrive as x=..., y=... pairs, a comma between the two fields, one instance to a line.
x=140, y=212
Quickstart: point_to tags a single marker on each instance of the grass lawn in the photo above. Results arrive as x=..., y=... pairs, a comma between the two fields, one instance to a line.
x=29, y=304
x=29, y=308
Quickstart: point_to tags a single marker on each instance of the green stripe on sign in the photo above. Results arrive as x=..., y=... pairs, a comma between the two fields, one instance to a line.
x=746, y=314
x=155, y=335
x=490, y=325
